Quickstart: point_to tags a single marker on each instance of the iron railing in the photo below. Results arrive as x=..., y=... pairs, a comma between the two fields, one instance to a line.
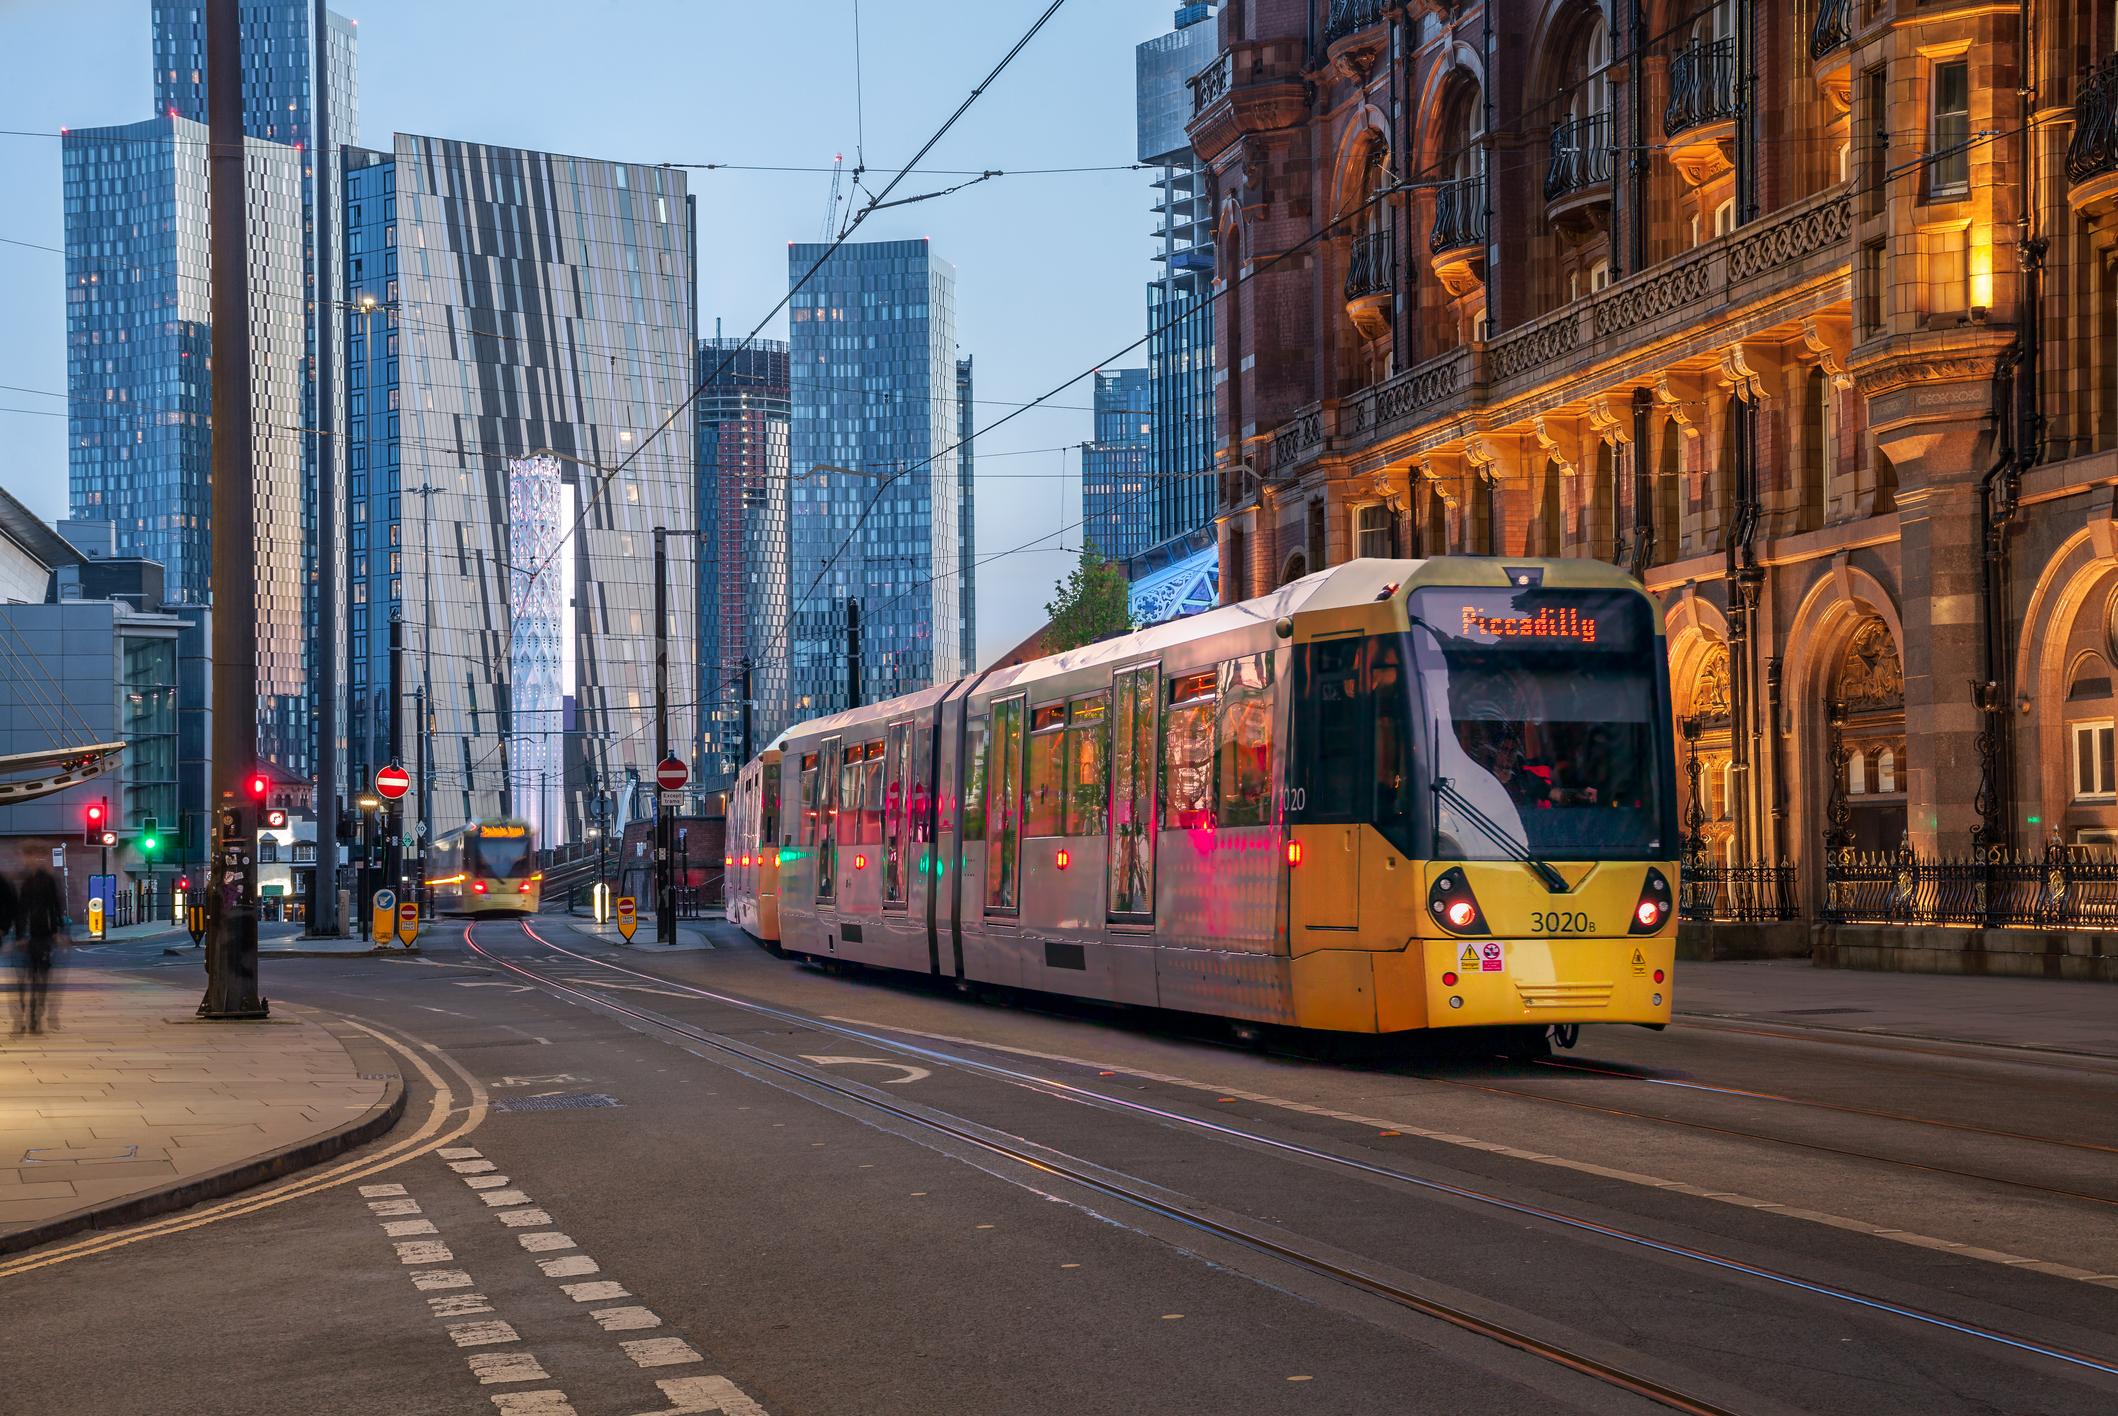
x=1703, y=86
x=1372, y=270
x=1833, y=29
x=2093, y=149
x=1351, y=17
x=2061, y=887
x=1459, y=214
x=1212, y=83
x=1581, y=155
x=1743, y=894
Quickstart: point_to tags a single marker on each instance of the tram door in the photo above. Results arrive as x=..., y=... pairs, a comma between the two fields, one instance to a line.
x=1130, y=897
x=1327, y=796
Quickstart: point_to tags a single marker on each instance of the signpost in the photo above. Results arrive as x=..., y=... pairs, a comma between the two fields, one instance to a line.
x=407, y=923
x=197, y=925
x=671, y=774
x=385, y=915
x=392, y=782
x=627, y=920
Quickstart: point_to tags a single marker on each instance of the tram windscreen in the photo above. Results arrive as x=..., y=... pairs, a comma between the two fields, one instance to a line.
x=503, y=852
x=1542, y=723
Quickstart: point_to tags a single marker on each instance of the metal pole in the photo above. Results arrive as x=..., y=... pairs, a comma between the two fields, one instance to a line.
x=393, y=811
x=231, y=960
x=323, y=878
x=746, y=709
x=852, y=653
x=419, y=854
x=665, y=897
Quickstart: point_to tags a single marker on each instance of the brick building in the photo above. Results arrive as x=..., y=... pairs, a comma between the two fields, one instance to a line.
x=1802, y=310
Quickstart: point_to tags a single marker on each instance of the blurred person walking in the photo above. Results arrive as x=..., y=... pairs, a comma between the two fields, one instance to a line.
x=7, y=927
x=40, y=923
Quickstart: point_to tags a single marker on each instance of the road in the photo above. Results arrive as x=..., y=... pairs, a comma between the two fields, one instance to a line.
x=714, y=1180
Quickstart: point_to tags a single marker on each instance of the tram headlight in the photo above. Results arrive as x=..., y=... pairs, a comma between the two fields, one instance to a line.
x=1652, y=911
x=1453, y=905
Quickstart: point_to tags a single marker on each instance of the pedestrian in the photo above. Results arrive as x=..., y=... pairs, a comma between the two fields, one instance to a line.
x=40, y=923
x=7, y=927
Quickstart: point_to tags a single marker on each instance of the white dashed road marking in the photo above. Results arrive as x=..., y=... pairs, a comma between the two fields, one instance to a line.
x=625, y=1319
x=459, y=1305
x=571, y=1266
x=406, y=1228
x=497, y=1198
x=522, y=1219
x=424, y=1251
x=696, y=1396
x=660, y=1351
x=494, y=1367
x=601, y=1291
x=533, y=1403
x=471, y=1167
x=544, y=1243
x=440, y=1278
x=485, y=1182
x=381, y=1207
x=458, y=1153
x=481, y=1334
x=376, y=1192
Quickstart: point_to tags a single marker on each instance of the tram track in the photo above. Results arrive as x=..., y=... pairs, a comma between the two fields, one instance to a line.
x=1139, y=1193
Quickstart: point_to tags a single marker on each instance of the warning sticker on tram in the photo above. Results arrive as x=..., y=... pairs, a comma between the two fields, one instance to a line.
x=1492, y=958
x=1469, y=962
x=1639, y=960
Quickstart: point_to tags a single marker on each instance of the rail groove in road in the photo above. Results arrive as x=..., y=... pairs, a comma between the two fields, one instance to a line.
x=1061, y=1166
x=1058, y=1087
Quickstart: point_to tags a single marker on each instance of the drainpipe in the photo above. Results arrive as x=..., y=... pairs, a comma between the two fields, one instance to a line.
x=1638, y=163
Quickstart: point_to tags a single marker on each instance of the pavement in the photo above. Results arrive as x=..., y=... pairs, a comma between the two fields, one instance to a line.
x=692, y=935
x=2044, y=1015
x=134, y=1107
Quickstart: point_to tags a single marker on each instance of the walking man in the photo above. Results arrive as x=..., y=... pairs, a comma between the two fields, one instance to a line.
x=41, y=925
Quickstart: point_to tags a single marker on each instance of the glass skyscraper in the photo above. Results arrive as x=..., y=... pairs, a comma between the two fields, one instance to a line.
x=878, y=487
x=967, y=511
x=139, y=337
x=1179, y=299
x=743, y=548
x=532, y=331
x=1115, y=508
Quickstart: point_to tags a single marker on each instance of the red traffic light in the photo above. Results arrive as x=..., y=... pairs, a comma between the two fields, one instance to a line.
x=95, y=813
x=183, y=882
x=259, y=785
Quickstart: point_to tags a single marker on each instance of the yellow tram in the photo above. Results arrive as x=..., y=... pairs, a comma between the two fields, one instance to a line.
x=485, y=868
x=1389, y=796
x=752, y=856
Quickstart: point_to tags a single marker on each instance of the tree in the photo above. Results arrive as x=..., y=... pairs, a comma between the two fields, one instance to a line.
x=1093, y=603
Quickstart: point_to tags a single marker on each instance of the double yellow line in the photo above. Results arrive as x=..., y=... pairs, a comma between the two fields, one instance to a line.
x=447, y=1121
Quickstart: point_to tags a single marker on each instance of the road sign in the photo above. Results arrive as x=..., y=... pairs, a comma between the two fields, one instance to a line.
x=407, y=923
x=628, y=919
x=196, y=923
x=392, y=782
x=385, y=917
x=95, y=916
x=671, y=774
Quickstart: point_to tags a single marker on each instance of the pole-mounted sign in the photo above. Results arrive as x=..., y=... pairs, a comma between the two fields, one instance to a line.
x=628, y=921
x=671, y=774
x=407, y=923
x=392, y=782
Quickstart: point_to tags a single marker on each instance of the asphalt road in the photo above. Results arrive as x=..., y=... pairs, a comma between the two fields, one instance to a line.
x=697, y=1181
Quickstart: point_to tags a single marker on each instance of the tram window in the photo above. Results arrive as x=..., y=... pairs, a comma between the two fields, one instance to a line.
x=1245, y=734
x=1329, y=749
x=1087, y=765
x=1132, y=856
x=871, y=801
x=808, y=801
x=1389, y=692
x=1187, y=754
x=827, y=823
x=974, y=781
x=1003, y=810
x=920, y=766
x=1044, y=802
x=769, y=812
x=893, y=823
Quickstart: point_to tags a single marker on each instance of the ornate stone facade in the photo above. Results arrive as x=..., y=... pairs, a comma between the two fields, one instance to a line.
x=1799, y=309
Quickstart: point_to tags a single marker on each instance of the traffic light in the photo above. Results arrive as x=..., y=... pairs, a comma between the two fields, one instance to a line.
x=183, y=882
x=259, y=785
x=98, y=820
x=150, y=838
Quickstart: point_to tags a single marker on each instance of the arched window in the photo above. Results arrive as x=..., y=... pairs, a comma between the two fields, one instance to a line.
x=1856, y=773
x=1669, y=494
x=1886, y=770
x=1371, y=531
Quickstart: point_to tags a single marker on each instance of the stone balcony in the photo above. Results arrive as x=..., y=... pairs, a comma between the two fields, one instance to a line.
x=1831, y=51
x=2092, y=154
x=1252, y=87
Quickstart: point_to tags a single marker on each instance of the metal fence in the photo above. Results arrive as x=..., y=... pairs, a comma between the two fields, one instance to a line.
x=2060, y=887
x=1738, y=894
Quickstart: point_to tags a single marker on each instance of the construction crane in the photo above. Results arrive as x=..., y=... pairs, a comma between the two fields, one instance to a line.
x=838, y=168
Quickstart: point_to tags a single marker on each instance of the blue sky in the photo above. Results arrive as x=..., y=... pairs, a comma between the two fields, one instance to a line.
x=1051, y=268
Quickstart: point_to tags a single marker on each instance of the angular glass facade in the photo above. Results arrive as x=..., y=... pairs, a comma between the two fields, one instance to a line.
x=1115, y=508
x=139, y=336
x=743, y=549
x=1180, y=356
x=877, y=483
x=532, y=329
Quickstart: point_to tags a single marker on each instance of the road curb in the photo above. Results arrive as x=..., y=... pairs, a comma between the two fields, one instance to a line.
x=369, y=1057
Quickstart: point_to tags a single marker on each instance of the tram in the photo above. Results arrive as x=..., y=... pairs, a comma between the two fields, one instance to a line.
x=752, y=857
x=485, y=868
x=1390, y=796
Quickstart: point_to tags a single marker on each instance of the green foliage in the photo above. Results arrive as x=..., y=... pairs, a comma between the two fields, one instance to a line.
x=1092, y=604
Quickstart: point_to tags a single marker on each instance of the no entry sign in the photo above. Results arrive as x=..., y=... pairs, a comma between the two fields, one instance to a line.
x=392, y=782
x=671, y=774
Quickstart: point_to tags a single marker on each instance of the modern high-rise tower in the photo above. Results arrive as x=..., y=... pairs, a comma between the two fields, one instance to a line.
x=878, y=486
x=139, y=331
x=1179, y=298
x=532, y=328
x=967, y=511
x=1116, y=516
x=743, y=549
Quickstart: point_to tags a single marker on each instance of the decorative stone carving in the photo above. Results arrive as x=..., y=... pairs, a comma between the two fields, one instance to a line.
x=1560, y=444
x=1739, y=377
x=1830, y=338
x=1611, y=421
x=1709, y=686
x=1483, y=459
x=1678, y=396
x=1871, y=677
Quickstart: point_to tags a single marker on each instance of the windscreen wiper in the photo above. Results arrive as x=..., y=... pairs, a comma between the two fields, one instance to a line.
x=1552, y=880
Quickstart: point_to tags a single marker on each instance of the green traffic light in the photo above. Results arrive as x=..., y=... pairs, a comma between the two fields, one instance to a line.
x=149, y=845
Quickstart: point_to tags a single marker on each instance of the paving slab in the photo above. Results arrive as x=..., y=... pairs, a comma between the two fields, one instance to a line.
x=2045, y=1015
x=133, y=1106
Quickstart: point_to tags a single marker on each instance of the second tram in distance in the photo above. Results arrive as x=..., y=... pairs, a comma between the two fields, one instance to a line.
x=485, y=868
x=1389, y=796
